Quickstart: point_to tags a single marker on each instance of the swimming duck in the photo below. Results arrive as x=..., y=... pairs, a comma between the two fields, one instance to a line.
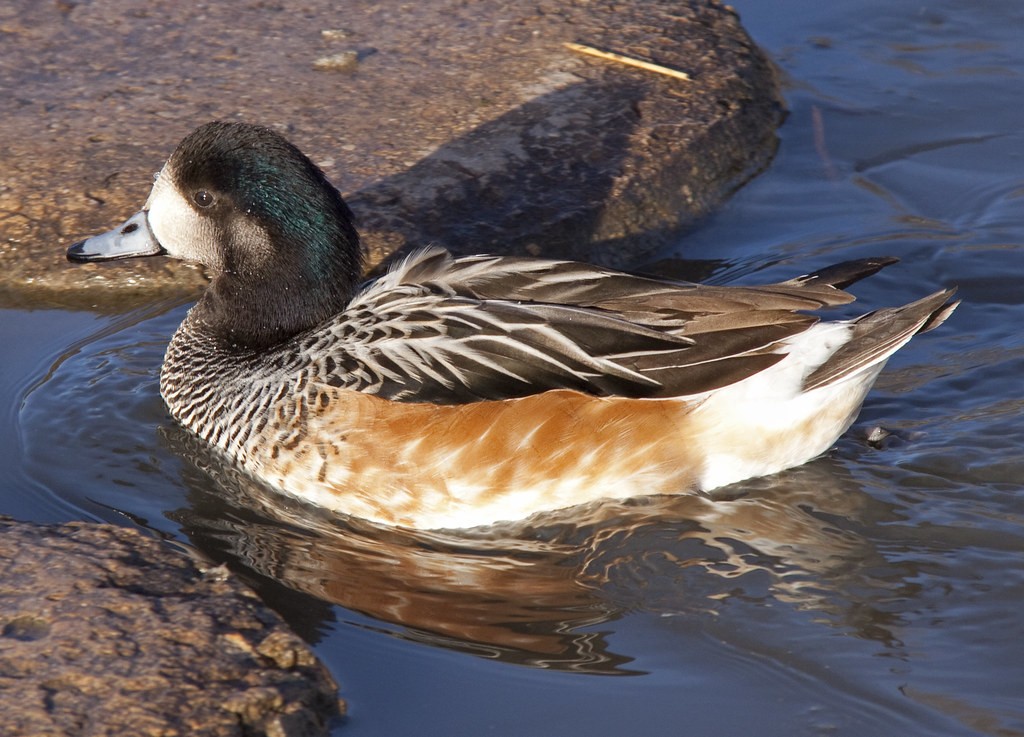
x=457, y=392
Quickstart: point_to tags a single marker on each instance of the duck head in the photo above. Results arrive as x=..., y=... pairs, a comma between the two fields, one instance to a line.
x=275, y=235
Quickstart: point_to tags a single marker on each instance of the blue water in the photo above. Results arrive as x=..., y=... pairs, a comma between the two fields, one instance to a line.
x=875, y=591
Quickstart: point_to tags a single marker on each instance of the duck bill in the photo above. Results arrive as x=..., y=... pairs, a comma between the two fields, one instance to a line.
x=130, y=239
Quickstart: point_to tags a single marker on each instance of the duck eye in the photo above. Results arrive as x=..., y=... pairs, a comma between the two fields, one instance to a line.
x=203, y=198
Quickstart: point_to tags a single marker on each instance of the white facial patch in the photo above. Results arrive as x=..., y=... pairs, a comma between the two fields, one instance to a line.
x=181, y=230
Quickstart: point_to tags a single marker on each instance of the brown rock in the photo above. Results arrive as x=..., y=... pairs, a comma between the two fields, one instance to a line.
x=106, y=632
x=465, y=124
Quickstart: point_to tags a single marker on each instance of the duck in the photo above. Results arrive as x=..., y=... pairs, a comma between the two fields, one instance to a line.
x=451, y=393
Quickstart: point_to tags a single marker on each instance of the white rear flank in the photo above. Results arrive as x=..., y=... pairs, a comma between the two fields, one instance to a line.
x=770, y=422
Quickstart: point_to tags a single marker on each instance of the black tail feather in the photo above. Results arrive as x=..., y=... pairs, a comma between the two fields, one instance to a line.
x=846, y=273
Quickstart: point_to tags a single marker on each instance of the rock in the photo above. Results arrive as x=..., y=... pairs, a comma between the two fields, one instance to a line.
x=346, y=61
x=471, y=125
x=106, y=632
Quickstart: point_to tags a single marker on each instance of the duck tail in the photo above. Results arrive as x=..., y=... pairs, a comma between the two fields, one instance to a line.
x=879, y=334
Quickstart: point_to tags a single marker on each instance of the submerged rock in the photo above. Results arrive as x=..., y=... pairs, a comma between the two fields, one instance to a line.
x=106, y=632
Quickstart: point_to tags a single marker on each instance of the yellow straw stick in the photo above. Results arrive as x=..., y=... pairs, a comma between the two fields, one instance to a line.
x=627, y=60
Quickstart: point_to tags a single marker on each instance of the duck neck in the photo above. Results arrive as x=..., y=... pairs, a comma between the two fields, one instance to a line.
x=254, y=307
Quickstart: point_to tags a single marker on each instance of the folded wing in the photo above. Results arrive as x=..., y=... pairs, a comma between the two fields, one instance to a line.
x=443, y=330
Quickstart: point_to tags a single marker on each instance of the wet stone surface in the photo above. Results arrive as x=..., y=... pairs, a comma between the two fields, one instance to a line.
x=465, y=124
x=106, y=632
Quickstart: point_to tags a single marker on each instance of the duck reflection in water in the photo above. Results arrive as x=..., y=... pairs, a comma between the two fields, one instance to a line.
x=536, y=592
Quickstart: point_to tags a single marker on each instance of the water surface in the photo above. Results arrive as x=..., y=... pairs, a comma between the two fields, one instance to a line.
x=875, y=591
